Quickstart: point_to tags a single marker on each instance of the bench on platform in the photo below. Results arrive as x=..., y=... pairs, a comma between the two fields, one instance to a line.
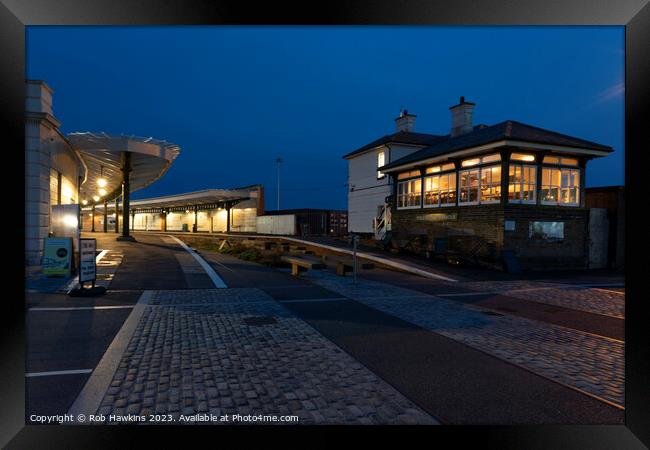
x=299, y=265
x=347, y=265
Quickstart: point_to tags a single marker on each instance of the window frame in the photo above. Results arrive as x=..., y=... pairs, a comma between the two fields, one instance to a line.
x=522, y=165
x=578, y=187
x=406, y=181
x=447, y=173
x=478, y=187
x=381, y=175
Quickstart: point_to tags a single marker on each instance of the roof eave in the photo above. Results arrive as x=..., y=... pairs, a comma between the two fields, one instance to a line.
x=396, y=166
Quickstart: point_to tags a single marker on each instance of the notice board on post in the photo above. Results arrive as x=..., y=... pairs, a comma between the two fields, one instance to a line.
x=87, y=264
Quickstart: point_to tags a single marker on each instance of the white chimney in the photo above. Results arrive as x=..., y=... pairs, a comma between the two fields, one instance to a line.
x=405, y=121
x=461, y=117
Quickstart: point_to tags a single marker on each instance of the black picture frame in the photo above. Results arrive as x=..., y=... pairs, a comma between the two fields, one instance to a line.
x=634, y=15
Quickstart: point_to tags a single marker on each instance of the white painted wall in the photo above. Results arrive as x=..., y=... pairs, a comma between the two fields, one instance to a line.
x=365, y=192
x=282, y=224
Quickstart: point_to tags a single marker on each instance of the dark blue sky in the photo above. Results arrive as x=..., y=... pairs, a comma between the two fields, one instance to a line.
x=235, y=98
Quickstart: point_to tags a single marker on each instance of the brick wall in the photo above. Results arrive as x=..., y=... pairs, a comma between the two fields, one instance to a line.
x=479, y=230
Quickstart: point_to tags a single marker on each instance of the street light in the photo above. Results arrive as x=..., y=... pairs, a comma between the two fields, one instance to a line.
x=96, y=198
x=101, y=182
x=102, y=192
x=278, y=161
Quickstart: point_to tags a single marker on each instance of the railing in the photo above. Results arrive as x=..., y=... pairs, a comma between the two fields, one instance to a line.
x=381, y=223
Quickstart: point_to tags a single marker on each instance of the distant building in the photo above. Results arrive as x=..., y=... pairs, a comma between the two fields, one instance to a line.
x=316, y=222
x=507, y=192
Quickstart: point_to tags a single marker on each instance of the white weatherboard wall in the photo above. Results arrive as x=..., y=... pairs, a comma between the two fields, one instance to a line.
x=282, y=225
x=365, y=192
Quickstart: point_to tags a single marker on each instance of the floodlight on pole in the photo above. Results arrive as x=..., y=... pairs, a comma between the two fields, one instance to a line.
x=278, y=161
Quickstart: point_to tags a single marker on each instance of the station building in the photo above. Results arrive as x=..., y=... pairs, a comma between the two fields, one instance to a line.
x=65, y=172
x=506, y=192
x=209, y=210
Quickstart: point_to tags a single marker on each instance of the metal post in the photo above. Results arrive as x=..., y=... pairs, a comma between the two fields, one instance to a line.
x=278, y=161
x=227, y=219
x=92, y=212
x=126, y=197
x=117, y=214
x=355, y=238
x=105, y=216
x=164, y=213
x=195, y=228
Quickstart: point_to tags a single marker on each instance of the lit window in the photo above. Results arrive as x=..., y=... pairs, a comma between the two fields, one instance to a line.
x=450, y=166
x=411, y=174
x=440, y=190
x=560, y=186
x=522, y=180
x=490, y=184
x=481, y=160
x=409, y=193
x=491, y=158
x=522, y=157
x=434, y=169
x=471, y=162
x=560, y=161
x=381, y=160
x=469, y=181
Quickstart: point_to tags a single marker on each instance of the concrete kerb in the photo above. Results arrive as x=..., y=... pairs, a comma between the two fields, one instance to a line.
x=90, y=397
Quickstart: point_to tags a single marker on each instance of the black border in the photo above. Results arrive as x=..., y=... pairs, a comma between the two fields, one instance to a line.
x=634, y=14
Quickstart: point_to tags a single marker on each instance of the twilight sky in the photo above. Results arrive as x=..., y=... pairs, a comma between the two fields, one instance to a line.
x=236, y=98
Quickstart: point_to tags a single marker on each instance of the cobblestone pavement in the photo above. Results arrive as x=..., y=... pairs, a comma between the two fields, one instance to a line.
x=192, y=352
x=590, y=363
x=594, y=300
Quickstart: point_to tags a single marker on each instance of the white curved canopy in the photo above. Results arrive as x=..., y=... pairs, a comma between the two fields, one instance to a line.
x=102, y=153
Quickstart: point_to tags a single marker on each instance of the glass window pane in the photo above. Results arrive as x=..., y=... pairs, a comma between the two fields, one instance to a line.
x=569, y=162
x=552, y=160
x=470, y=162
x=491, y=158
x=450, y=166
x=522, y=157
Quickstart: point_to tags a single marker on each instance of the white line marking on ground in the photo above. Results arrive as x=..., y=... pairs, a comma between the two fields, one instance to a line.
x=80, y=308
x=101, y=255
x=58, y=372
x=216, y=279
x=90, y=397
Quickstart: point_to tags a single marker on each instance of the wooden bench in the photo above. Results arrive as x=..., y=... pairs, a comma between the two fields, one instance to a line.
x=347, y=265
x=302, y=264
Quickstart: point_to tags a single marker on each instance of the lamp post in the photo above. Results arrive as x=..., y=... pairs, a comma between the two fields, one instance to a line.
x=278, y=161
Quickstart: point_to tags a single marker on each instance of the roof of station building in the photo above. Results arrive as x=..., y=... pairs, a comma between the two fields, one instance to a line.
x=508, y=130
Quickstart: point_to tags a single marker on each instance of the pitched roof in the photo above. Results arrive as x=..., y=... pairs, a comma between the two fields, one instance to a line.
x=508, y=129
x=401, y=137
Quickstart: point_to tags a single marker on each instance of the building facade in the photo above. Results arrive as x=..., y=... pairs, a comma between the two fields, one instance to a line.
x=54, y=170
x=368, y=187
x=487, y=194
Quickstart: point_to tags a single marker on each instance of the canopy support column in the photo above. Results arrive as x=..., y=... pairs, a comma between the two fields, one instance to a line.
x=228, y=218
x=164, y=217
x=92, y=216
x=117, y=214
x=126, y=197
x=105, y=216
x=195, y=227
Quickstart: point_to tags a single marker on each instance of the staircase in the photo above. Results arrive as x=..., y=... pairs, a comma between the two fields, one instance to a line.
x=381, y=223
